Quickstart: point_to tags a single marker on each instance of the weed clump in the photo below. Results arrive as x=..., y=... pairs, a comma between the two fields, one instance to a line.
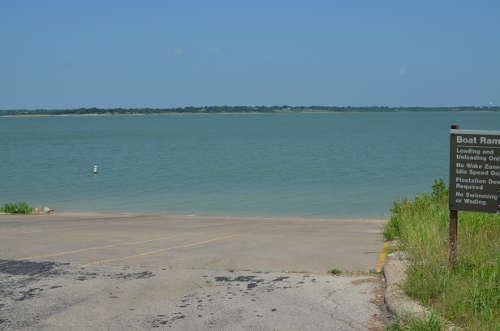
x=432, y=323
x=334, y=271
x=16, y=208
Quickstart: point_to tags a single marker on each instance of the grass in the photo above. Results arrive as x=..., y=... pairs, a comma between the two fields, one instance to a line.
x=469, y=294
x=430, y=324
x=16, y=208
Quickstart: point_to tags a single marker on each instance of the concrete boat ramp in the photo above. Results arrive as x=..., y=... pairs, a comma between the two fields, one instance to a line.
x=153, y=272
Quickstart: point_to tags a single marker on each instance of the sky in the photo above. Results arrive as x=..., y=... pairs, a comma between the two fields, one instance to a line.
x=70, y=53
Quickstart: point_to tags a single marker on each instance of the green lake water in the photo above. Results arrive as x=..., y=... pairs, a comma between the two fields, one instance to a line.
x=313, y=165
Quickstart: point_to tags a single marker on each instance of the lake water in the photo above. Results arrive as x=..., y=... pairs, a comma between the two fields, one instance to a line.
x=321, y=165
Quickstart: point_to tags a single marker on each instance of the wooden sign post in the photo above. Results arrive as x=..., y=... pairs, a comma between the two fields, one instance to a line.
x=453, y=221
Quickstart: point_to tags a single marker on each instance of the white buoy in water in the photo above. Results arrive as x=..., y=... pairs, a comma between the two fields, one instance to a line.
x=95, y=169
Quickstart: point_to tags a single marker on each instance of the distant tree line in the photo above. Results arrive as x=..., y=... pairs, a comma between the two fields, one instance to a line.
x=233, y=109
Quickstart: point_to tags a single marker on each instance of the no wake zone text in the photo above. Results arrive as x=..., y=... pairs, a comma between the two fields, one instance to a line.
x=478, y=166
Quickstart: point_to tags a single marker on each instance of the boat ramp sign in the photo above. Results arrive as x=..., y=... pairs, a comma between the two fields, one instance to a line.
x=475, y=170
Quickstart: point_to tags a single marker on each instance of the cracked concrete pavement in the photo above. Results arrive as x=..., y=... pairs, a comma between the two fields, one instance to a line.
x=115, y=272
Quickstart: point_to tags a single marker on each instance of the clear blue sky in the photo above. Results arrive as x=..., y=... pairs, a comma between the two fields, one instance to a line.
x=59, y=54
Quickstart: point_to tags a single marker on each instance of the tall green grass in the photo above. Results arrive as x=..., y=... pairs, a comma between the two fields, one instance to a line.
x=469, y=294
x=16, y=208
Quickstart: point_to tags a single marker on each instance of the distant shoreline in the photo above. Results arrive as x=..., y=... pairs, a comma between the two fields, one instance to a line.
x=236, y=111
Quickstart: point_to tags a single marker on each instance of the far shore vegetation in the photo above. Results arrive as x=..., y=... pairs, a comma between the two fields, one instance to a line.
x=234, y=110
x=469, y=294
x=16, y=208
